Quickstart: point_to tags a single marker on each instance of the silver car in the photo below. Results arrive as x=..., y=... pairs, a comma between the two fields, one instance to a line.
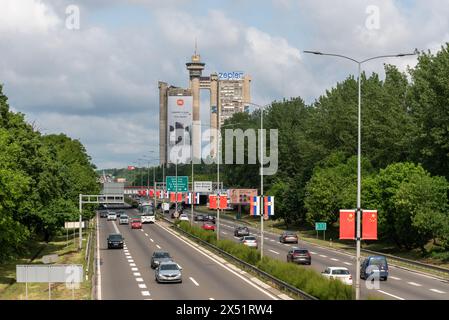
x=250, y=241
x=124, y=219
x=168, y=271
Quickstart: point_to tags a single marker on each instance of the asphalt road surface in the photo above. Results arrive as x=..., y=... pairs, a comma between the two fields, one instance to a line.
x=125, y=274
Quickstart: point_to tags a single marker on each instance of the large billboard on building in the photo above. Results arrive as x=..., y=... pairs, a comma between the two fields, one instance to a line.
x=179, y=128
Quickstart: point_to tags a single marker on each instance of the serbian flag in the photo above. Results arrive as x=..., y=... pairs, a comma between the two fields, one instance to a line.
x=192, y=198
x=254, y=206
x=159, y=194
x=347, y=224
x=369, y=225
x=166, y=194
x=131, y=167
x=268, y=205
x=223, y=201
x=212, y=201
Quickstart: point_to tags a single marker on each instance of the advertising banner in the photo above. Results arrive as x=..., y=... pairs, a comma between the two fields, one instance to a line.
x=179, y=128
x=242, y=196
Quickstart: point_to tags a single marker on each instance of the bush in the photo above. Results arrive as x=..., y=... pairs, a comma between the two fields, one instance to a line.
x=307, y=280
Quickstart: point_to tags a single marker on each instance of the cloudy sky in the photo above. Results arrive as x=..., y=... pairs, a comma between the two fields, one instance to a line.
x=99, y=83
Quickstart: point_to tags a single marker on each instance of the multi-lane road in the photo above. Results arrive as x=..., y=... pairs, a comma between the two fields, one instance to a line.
x=402, y=284
x=125, y=274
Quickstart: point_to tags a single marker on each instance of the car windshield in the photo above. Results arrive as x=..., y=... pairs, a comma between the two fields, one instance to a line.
x=169, y=267
x=290, y=234
x=161, y=255
x=340, y=271
x=301, y=251
x=136, y=220
x=378, y=261
x=250, y=238
x=123, y=217
x=115, y=237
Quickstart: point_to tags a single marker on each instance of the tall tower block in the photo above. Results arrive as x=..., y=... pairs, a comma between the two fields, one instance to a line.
x=195, y=68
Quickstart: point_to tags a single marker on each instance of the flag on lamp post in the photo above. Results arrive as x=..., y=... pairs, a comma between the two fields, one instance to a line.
x=223, y=201
x=268, y=202
x=369, y=224
x=254, y=206
x=347, y=224
x=193, y=198
x=212, y=201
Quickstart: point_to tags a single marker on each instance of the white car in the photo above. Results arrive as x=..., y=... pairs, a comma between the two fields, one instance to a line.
x=112, y=216
x=183, y=217
x=340, y=273
x=250, y=241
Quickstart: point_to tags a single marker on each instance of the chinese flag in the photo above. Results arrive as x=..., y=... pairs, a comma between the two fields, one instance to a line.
x=212, y=202
x=369, y=225
x=223, y=202
x=347, y=224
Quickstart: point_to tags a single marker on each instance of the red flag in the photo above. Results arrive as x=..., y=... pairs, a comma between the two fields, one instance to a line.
x=172, y=197
x=151, y=193
x=347, y=224
x=179, y=196
x=212, y=202
x=369, y=225
x=223, y=202
x=131, y=167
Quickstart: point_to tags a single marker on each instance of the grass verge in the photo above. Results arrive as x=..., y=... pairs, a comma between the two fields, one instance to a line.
x=67, y=253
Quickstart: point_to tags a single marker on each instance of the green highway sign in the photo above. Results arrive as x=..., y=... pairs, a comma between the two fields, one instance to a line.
x=320, y=226
x=182, y=185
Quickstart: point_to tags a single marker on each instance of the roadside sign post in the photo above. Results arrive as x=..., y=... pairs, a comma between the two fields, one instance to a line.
x=321, y=226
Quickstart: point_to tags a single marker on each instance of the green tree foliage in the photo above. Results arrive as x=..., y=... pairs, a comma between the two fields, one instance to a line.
x=40, y=179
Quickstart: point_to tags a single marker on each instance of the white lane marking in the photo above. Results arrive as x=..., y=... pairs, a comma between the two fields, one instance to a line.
x=146, y=293
x=158, y=246
x=130, y=260
x=272, y=240
x=220, y=264
x=436, y=290
x=137, y=274
x=273, y=251
x=414, y=284
x=211, y=299
x=98, y=262
x=394, y=278
x=347, y=263
x=141, y=230
x=132, y=264
x=266, y=238
x=139, y=279
x=193, y=280
x=134, y=269
x=115, y=227
x=312, y=252
x=322, y=255
x=142, y=286
x=391, y=295
x=287, y=245
x=146, y=234
x=283, y=296
x=334, y=259
x=224, y=232
x=151, y=240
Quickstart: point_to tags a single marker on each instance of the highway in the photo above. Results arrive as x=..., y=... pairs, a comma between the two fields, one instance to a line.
x=125, y=274
x=401, y=285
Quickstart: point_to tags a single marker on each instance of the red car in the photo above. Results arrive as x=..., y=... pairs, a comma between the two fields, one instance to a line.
x=136, y=224
x=208, y=226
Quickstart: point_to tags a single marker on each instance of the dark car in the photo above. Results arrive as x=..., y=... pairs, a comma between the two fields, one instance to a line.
x=298, y=255
x=103, y=214
x=158, y=257
x=288, y=236
x=209, y=218
x=115, y=240
x=120, y=212
x=241, y=232
x=199, y=217
x=374, y=267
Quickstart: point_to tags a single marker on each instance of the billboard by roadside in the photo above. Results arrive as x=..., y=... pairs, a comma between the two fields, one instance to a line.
x=241, y=196
x=179, y=128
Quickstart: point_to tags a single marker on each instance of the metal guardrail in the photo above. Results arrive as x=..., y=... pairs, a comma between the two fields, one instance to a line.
x=256, y=270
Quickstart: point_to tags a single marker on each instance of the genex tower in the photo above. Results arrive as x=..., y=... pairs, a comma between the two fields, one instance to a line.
x=179, y=109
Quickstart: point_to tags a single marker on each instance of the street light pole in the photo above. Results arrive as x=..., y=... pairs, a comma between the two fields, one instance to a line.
x=359, y=151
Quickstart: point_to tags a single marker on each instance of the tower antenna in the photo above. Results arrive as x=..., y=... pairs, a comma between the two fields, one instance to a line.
x=196, y=46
